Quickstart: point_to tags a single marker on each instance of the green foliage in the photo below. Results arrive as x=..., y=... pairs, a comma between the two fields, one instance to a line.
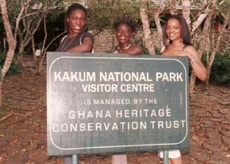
x=157, y=51
x=103, y=13
x=220, y=73
x=14, y=67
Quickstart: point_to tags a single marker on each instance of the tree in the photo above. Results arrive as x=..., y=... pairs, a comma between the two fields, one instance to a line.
x=11, y=43
x=186, y=7
x=103, y=13
x=215, y=47
x=27, y=17
x=200, y=17
x=148, y=39
x=205, y=15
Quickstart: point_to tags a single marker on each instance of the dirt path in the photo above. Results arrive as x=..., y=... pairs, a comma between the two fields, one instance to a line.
x=23, y=126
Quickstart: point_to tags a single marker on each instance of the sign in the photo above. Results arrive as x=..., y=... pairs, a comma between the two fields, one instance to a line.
x=100, y=103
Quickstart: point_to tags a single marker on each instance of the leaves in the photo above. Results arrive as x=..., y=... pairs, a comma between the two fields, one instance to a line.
x=103, y=13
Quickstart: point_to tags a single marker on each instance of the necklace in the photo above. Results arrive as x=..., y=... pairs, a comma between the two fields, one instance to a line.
x=66, y=43
x=119, y=49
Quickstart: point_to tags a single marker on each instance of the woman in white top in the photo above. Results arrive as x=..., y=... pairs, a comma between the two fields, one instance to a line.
x=177, y=42
x=125, y=28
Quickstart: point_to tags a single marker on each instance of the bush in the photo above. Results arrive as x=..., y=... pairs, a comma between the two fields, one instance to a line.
x=14, y=67
x=220, y=72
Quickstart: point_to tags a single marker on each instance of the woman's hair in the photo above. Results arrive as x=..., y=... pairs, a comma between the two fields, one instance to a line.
x=185, y=35
x=71, y=8
x=75, y=6
x=125, y=20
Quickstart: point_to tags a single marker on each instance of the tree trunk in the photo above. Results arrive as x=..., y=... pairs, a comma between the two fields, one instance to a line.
x=217, y=46
x=200, y=18
x=43, y=53
x=11, y=43
x=186, y=6
x=205, y=45
x=158, y=24
x=29, y=27
x=148, y=40
x=172, y=7
x=205, y=41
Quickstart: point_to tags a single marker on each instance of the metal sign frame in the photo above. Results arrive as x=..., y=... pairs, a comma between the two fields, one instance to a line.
x=154, y=100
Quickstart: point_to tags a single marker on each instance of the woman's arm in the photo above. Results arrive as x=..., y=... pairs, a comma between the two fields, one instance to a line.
x=195, y=62
x=86, y=46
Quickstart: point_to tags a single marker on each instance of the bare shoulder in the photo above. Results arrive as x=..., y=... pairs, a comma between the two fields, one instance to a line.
x=136, y=49
x=190, y=48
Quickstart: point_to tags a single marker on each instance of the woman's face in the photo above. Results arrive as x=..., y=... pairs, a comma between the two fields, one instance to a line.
x=124, y=33
x=173, y=29
x=76, y=21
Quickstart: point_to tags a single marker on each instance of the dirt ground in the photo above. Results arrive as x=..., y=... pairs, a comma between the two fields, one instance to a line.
x=23, y=126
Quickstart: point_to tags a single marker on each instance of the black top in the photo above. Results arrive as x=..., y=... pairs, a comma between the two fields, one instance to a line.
x=68, y=43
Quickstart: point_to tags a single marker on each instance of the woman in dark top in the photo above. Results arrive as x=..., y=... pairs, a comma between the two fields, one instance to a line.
x=76, y=39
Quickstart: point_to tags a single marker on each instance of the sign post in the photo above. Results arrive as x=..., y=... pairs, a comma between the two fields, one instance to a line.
x=74, y=159
x=165, y=157
x=100, y=103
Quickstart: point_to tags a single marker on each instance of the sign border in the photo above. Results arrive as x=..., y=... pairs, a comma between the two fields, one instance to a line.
x=123, y=58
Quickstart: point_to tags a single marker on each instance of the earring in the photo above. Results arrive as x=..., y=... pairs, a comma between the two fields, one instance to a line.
x=167, y=41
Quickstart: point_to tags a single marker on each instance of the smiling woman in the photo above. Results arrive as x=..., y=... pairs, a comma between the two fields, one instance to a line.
x=125, y=28
x=177, y=42
x=76, y=39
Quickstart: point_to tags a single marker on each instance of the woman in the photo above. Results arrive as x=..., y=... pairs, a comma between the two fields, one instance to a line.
x=177, y=42
x=125, y=28
x=76, y=39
